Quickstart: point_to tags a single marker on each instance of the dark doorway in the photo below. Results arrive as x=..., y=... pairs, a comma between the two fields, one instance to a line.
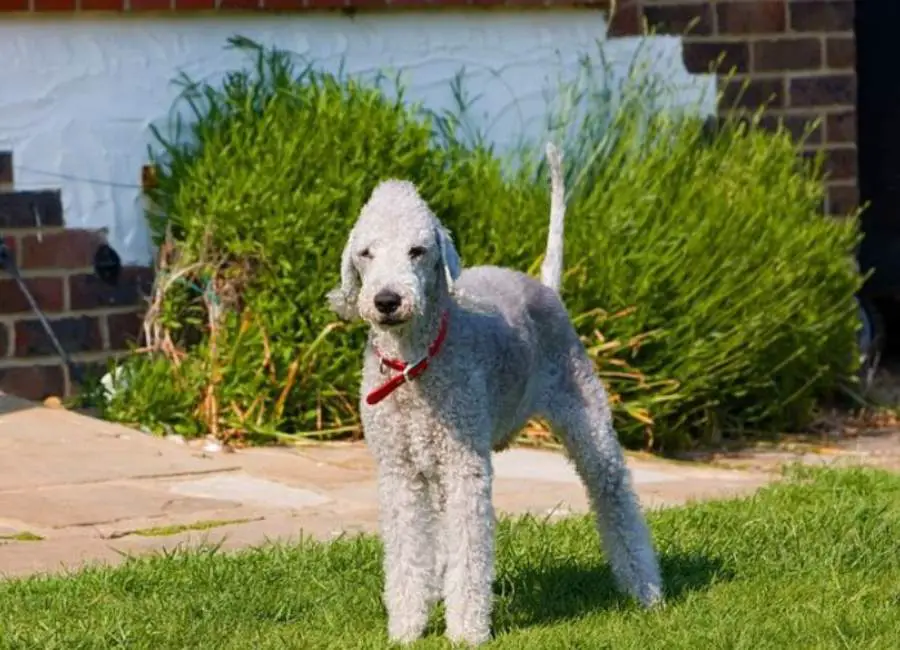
x=878, y=119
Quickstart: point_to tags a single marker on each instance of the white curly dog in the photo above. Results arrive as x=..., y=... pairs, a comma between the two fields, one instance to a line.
x=456, y=364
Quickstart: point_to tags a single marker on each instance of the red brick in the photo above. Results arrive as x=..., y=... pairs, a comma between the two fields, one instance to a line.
x=826, y=90
x=102, y=5
x=841, y=127
x=841, y=52
x=95, y=369
x=67, y=249
x=81, y=334
x=801, y=127
x=386, y=4
x=12, y=246
x=778, y=54
x=54, y=5
x=87, y=291
x=6, y=168
x=843, y=200
x=148, y=177
x=841, y=164
x=625, y=20
x=34, y=382
x=30, y=209
x=838, y=164
x=242, y=4
x=723, y=56
x=585, y=4
x=753, y=94
x=693, y=19
x=47, y=292
x=124, y=330
x=821, y=15
x=13, y=5
x=759, y=17
x=151, y=5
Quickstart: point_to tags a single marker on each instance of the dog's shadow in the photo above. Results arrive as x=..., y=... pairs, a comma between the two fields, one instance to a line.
x=535, y=595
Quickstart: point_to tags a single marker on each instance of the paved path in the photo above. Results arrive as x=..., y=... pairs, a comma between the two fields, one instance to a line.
x=91, y=490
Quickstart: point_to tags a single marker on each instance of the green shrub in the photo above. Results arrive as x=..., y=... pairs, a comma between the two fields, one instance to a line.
x=723, y=250
x=724, y=299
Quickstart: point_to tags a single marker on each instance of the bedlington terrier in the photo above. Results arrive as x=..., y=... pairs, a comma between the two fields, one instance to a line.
x=456, y=364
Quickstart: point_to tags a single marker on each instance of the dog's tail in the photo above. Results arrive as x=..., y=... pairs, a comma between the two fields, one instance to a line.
x=552, y=268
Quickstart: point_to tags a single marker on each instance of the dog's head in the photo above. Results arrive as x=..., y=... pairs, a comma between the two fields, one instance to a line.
x=397, y=259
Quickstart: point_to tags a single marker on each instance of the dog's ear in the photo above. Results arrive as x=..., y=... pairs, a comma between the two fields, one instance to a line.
x=343, y=299
x=449, y=256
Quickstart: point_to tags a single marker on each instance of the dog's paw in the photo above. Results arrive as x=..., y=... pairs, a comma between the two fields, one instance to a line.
x=469, y=638
x=403, y=638
x=406, y=631
x=651, y=596
x=469, y=633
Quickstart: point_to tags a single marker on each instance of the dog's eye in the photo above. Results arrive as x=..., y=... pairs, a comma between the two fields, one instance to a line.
x=417, y=251
x=365, y=253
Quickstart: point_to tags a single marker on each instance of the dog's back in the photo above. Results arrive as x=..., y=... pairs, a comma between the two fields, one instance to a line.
x=515, y=329
x=517, y=332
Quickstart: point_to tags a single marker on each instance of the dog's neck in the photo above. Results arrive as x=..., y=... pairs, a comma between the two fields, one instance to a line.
x=410, y=342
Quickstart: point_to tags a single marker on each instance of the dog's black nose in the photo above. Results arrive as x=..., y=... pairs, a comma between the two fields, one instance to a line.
x=387, y=301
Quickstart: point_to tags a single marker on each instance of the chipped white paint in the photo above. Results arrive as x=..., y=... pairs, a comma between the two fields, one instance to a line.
x=77, y=95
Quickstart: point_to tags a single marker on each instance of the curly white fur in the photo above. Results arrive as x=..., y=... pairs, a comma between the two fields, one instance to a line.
x=510, y=355
x=551, y=269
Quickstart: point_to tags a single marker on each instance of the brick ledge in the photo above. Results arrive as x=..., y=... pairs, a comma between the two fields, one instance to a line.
x=349, y=6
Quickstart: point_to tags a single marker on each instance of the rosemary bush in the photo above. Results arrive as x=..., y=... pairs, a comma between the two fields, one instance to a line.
x=713, y=295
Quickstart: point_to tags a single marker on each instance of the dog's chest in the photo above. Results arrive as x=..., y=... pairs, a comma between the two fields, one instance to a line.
x=409, y=429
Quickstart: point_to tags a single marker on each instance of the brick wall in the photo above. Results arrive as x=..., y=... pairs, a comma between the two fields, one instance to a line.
x=188, y=6
x=94, y=320
x=798, y=57
x=91, y=318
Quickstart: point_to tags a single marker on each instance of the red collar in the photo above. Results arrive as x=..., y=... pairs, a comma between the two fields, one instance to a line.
x=408, y=371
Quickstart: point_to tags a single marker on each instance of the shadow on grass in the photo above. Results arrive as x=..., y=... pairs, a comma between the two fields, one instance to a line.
x=546, y=594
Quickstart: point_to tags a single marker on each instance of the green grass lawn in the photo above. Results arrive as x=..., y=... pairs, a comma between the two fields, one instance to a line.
x=810, y=563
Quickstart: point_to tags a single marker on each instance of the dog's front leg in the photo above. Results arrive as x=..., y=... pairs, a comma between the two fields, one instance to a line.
x=436, y=492
x=408, y=552
x=468, y=544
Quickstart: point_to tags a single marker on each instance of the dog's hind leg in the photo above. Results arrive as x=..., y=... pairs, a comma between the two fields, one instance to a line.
x=579, y=413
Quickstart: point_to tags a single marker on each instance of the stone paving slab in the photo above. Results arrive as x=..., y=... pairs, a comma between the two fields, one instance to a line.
x=250, y=490
x=880, y=448
x=321, y=467
x=68, y=506
x=55, y=555
x=94, y=491
x=41, y=447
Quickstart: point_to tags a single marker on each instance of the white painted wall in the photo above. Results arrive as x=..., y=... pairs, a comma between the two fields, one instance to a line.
x=77, y=95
